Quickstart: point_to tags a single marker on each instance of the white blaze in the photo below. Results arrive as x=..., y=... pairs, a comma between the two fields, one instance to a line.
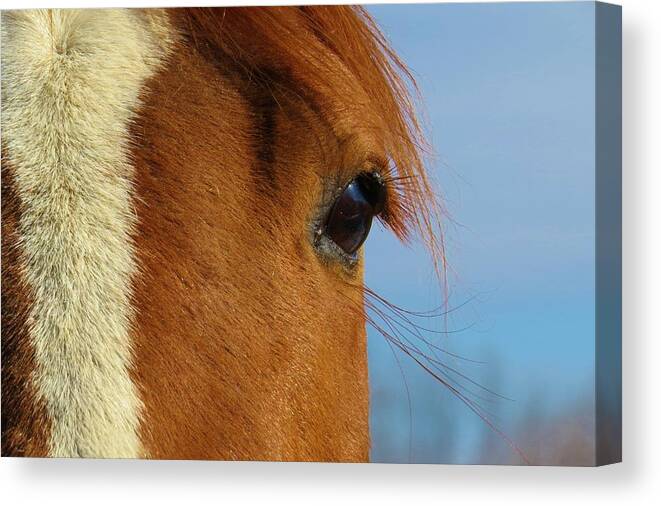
x=71, y=81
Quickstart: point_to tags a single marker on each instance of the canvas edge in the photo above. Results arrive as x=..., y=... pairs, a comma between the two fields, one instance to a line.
x=608, y=231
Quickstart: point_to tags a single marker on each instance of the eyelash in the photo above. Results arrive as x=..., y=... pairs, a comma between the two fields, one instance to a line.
x=397, y=196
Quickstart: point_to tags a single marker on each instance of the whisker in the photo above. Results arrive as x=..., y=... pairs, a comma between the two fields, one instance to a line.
x=475, y=409
x=441, y=367
x=408, y=398
x=400, y=330
x=417, y=330
x=433, y=313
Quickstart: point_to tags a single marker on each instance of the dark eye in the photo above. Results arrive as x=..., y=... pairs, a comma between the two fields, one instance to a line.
x=350, y=218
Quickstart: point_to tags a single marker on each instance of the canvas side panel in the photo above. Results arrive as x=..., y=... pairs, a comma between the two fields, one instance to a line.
x=608, y=360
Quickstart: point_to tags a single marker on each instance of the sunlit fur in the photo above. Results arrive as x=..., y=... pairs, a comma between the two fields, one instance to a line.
x=163, y=172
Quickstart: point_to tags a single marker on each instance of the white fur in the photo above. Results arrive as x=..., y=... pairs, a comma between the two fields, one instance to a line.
x=71, y=81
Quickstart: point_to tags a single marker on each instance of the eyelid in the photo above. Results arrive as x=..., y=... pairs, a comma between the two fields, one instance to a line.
x=377, y=162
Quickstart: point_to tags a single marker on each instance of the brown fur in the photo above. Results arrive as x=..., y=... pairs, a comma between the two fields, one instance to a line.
x=25, y=425
x=259, y=357
x=248, y=345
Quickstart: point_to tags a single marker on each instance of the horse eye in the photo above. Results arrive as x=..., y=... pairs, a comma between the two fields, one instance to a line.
x=350, y=218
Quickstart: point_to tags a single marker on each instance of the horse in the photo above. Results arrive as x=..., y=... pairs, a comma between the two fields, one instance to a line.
x=185, y=196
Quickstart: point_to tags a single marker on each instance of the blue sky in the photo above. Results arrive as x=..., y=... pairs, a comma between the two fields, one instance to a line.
x=508, y=94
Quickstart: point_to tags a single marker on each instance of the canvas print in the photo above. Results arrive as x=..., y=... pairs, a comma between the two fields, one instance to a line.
x=382, y=233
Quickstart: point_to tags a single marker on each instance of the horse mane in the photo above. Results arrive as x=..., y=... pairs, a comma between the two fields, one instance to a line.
x=303, y=43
